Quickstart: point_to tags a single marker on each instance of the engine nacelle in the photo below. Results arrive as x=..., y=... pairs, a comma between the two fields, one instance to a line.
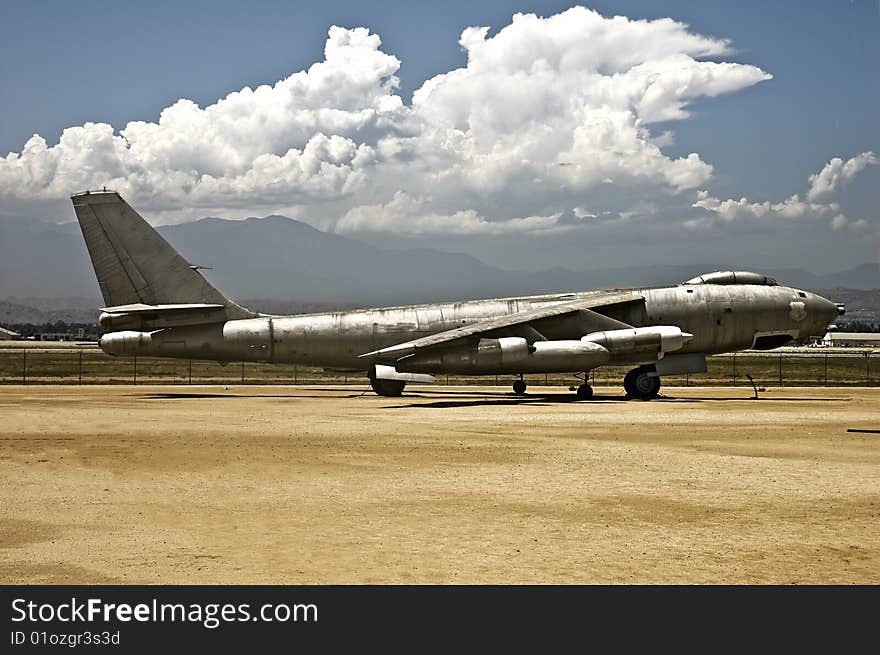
x=509, y=355
x=503, y=351
x=656, y=339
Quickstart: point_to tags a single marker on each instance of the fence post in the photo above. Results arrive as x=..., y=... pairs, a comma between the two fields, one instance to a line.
x=242, y=372
x=80, y=365
x=780, y=370
x=734, y=369
x=24, y=365
x=190, y=371
x=867, y=369
x=826, y=370
x=135, y=379
x=294, y=374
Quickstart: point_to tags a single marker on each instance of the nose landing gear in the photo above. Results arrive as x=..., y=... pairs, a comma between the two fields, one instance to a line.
x=519, y=387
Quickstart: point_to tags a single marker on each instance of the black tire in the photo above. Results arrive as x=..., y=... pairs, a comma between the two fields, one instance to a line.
x=387, y=387
x=519, y=388
x=639, y=385
x=584, y=392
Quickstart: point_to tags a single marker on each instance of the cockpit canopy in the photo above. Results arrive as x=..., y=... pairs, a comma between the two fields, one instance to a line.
x=734, y=277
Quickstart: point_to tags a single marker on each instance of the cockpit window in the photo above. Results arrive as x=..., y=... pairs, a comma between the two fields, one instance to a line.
x=802, y=294
x=734, y=277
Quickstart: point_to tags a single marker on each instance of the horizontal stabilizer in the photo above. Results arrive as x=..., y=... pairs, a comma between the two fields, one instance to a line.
x=390, y=373
x=139, y=316
x=138, y=308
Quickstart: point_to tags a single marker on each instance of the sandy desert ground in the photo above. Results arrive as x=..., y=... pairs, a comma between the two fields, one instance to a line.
x=249, y=484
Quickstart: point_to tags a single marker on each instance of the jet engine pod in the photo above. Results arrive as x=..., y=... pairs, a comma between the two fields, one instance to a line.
x=502, y=351
x=654, y=339
x=508, y=355
x=568, y=355
x=488, y=356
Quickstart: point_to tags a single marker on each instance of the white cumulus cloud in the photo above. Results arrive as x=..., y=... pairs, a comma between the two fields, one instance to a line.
x=825, y=182
x=544, y=113
x=406, y=215
x=818, y=204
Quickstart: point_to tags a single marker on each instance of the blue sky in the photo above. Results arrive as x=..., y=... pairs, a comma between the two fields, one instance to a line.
x=64, y=64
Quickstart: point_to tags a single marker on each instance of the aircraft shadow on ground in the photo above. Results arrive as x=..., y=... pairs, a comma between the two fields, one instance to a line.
x=477, y=399
x=466, y=398
x=186, y=395
x=764, y=399
x=535, y=400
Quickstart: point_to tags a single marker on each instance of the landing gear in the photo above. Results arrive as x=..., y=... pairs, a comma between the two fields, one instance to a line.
x=387, y=387
x=519, y=387
x=639, y=385
x=584, y=392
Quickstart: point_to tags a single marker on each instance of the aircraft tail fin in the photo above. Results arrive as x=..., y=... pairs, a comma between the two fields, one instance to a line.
x=134, y=264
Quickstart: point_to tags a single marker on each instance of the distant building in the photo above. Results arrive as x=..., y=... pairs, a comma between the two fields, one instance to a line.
x=8, y=334
x=73, y=334
x=852, y=339
x=55, y=336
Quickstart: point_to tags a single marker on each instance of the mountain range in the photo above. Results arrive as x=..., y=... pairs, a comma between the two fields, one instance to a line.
x=282, y=261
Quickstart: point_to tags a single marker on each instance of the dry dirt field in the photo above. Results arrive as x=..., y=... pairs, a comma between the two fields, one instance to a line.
x=244, y=484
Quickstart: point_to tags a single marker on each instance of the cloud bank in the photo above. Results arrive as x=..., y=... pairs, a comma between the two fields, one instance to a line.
x=547, y=115
x=822, y=187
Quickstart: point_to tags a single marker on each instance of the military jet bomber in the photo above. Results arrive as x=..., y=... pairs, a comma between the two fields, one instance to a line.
x=160, y=305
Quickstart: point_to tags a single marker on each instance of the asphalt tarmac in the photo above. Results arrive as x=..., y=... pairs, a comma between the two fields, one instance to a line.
x=324, y=484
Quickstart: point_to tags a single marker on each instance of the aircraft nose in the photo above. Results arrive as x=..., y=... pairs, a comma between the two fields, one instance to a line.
x=824, y=310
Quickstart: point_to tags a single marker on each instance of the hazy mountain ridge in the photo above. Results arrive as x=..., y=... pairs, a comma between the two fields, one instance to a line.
x=290, y=264
x=861, y=305
x=48, y=310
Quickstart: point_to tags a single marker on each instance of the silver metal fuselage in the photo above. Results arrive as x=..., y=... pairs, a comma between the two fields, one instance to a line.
x=722, y=318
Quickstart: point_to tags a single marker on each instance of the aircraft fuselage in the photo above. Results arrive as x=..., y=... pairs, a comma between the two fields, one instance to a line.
x=721, y=318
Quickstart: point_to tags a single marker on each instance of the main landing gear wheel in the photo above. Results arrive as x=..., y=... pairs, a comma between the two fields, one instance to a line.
x=387, y=387
x=584, y=392
x=519, y=387
x=639, y=385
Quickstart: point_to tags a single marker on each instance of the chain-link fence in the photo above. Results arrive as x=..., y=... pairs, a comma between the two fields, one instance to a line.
x=89, y=365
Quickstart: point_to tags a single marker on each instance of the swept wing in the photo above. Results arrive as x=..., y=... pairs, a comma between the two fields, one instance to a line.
x=527, y=323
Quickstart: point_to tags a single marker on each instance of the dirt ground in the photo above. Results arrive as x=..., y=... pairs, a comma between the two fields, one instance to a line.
x=244, y=484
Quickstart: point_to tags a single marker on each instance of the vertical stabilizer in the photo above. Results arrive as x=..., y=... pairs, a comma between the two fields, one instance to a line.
x=134, y=264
